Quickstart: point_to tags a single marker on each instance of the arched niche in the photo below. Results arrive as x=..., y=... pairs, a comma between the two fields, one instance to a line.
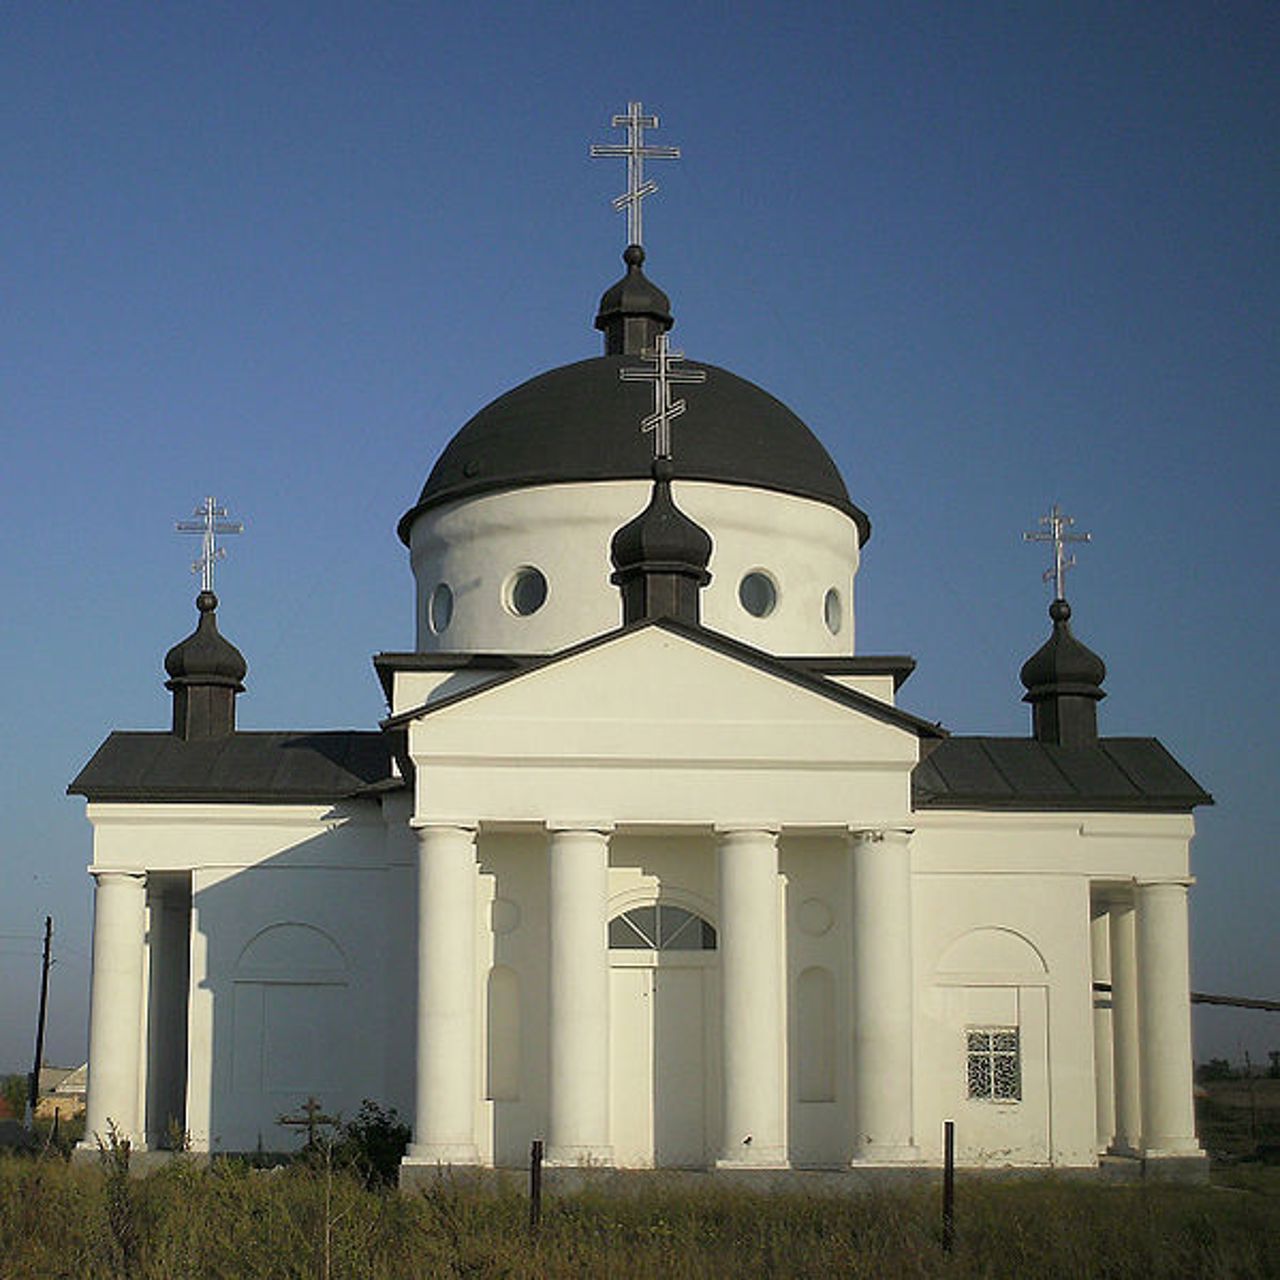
x=502, y=1083
x=291, y=952
x=993, y=951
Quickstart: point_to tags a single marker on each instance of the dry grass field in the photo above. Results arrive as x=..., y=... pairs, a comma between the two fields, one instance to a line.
x=230, y=1221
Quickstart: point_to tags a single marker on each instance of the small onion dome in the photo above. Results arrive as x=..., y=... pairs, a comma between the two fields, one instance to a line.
x=206, y=671
x=1063, y=680
x=660, y=557
x=634, y=311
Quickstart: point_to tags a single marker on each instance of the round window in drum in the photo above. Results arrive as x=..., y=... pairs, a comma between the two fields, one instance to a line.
x=526, y=591
x=440, y=608
x=833, y=611
x=758, y=593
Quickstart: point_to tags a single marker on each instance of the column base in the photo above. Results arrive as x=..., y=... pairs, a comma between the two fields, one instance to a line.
x=441, y=1153
x=755, y=1158
x=1175, y=1166
x=1174, y=1149
x=1126, y=1149
x=885, y=1153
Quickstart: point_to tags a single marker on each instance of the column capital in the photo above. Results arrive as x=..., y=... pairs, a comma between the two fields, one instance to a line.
x=470, y=825
x=881, y=835
x=1165, y=882
x=557, y=826
x=117, y=873
x=773, y=830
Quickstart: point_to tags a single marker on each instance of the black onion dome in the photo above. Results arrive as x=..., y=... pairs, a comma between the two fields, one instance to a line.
x=661, y=536
x=205, y=657
x=633, y=311
x=1062, y=665
x=580, y=422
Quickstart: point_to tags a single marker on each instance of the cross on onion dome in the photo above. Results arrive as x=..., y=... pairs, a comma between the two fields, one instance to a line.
x=211, y=522
x=663, y=377
x=1055, y=530
x=636, y=152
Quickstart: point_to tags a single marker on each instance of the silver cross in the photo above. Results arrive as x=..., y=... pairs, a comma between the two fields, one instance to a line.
x=1055, y=531
x=663, y=376
x=636, y=152
x=212, y=521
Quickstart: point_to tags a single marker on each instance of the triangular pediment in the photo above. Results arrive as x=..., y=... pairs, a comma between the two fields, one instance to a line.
x=672, y=693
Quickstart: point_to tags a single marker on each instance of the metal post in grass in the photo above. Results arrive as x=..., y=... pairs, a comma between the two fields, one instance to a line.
x=535, y=1184
x=948, y=1185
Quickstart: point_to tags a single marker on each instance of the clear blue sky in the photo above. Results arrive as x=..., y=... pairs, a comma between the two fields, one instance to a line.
x=997, y=255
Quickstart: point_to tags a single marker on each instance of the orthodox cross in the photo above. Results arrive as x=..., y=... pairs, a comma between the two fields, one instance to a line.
x=1055, y=531
x=212, y=521
x=635, y=122
x=663, y=377
x=311, y=1119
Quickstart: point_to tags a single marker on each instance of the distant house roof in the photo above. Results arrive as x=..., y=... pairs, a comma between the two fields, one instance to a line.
x=1116, y=775
x=66, y=1081
x=241, y=767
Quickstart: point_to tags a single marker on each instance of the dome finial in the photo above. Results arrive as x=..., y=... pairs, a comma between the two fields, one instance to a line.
x=1063, y=679
x=634, y=312
x=660, y=557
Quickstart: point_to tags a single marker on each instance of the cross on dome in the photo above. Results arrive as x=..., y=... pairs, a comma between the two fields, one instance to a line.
x=212, y=521
x=663, y=377
x=1055, y=531
x=636, y=152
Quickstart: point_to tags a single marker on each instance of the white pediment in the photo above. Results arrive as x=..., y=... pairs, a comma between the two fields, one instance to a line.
x=655, y=722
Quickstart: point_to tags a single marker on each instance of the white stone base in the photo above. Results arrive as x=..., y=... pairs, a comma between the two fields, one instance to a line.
x=876, y=1153
x=442, y=1153
x=756, y=1158
x=584, y=1157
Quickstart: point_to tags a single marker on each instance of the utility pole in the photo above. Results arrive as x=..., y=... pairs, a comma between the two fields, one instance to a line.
x=33, y=1090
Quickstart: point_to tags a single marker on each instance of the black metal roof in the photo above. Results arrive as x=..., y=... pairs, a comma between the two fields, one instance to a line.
x=1115, y=775
x=580, y=422
x=240, y=767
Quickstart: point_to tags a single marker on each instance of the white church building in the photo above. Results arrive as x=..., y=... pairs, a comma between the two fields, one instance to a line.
x=645, y=860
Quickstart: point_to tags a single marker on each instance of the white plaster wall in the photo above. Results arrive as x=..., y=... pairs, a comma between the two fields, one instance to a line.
x=817, y=876
x=513, y=903
x=1052, y=1006
x=565, y=531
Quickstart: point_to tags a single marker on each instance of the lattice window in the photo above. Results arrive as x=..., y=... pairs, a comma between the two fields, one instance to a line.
x=994, y=1064
x=661, y=928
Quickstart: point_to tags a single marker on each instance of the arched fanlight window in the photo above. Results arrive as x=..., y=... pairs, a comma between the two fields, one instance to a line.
x=661, y=928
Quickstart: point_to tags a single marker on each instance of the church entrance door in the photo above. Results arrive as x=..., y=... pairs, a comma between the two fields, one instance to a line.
x=663, y=1048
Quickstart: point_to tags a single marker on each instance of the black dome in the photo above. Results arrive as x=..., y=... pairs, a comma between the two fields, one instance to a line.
x=581, y=423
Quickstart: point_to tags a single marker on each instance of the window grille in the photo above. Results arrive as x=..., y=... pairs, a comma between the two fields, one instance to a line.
x=994, y=1064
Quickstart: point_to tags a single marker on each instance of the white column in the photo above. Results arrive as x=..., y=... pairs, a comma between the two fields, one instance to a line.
x=1103, y=1070
x=882, y=997
x=447, y=1068
x=578, y=1105
x=1124, y=1028
x=754, y=1032
x=1164, y=1020
x=115, y=1006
